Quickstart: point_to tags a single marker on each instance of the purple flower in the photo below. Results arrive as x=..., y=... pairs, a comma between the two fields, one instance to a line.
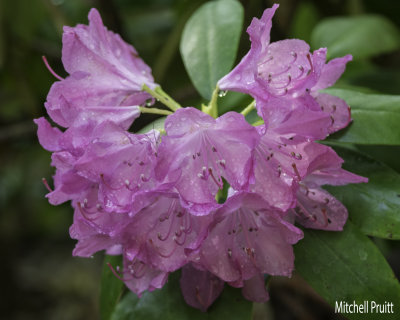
x=247, y=238
x=104, y=72
x=283, y=74
x=198, y=151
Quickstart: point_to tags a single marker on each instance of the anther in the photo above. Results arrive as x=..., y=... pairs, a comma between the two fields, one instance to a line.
x=215, y=180
x=222, y=163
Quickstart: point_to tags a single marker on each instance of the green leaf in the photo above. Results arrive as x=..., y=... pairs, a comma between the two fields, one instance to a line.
x=157, y=124
x=362, y=36
x=168, y=304
x=210, y=41
x=111, y=287
x=373, y=206
x=305, y=18
x=376, y=118
x=347, y=266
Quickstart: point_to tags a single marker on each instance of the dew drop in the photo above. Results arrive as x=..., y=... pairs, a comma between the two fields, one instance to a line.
x=222, y=93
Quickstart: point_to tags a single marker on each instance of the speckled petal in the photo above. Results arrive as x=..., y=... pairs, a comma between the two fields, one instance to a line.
x=163, y=230
x=140, y=277
x=318, y=209
x=199, y=288
x=337, y=109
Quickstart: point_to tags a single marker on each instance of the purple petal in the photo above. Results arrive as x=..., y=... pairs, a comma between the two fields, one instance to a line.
x=325, y=167
x=49, y=136
x=331, y=72
x=318, y=209
x=336, y=108
x=254, y=289
x=95, y=50
x=140, y=277
x=247, y=238
x=242, y=77
x=301, y=116
x=199, y=288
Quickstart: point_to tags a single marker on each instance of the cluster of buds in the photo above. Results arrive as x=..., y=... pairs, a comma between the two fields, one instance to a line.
x=155, y=198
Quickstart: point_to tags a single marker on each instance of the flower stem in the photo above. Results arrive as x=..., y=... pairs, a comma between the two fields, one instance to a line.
x=258, y=123
x=163, y=97
x=249, y=108
x=212, y=107
x=155, y=111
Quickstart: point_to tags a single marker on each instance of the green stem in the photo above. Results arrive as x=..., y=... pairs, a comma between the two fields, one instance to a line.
x=212, y=108
x=155, y=111
x=258, y=123
x=250, y=107
x=163, y=97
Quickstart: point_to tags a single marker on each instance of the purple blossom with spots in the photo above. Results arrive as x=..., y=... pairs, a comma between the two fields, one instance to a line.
x=199, y=151
x=104, y=71
x=157, y=198
x=284, y=76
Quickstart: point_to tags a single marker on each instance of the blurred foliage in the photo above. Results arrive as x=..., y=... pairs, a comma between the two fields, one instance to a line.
x=40, y=279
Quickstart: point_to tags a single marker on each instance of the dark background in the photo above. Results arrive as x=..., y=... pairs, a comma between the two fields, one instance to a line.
x=39, y=277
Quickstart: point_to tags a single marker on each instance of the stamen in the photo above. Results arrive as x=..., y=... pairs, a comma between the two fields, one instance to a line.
x=46, y=63
x=106, y=184
x=46, y=184
x=198, y=297
x=114, y=272
x=296, y=171
x=84, y=212
x=323, y=210
x=222, y=163
x=215, y=180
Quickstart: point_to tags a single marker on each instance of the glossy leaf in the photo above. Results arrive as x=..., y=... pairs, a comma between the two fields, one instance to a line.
x=376, y=118
x=362, y=36
x=168, y=304
x=210, y=41
x=347, y=266
x=111, y=287
x=157, y=124
x=373, y=206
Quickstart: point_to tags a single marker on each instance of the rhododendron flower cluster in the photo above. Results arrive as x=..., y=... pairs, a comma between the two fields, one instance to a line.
x=155, y=197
